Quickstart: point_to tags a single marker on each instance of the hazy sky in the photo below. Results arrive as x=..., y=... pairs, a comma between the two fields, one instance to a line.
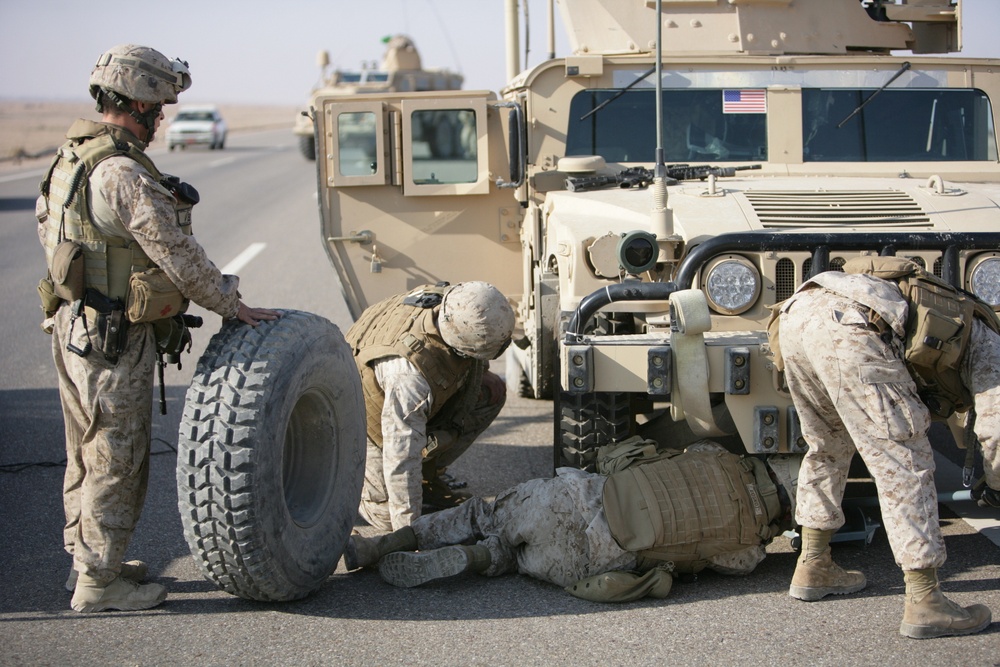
x=264, y=51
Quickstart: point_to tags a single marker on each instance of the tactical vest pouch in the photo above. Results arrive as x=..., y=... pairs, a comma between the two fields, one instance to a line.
x=620, y=455
x=936, y=336
x=47, y=295
x=67, y=271
x=152, y=296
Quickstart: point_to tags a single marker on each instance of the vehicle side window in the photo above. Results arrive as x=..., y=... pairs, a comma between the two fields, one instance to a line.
x=698, y=125
x=444, y=146
x=896, y=125
x=356, y=141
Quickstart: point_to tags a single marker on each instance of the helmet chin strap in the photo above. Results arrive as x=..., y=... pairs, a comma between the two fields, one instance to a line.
x=146, y=119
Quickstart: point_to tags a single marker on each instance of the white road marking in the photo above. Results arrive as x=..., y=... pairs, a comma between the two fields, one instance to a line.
x=222, y=162
x=243, y=258
x=21, y=175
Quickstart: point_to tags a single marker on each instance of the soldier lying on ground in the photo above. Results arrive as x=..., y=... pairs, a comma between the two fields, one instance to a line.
x=898, y=346
x=605, y=537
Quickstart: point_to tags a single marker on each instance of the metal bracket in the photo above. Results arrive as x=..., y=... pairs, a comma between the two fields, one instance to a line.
x=658, y=370
x=737, y=378
x=765, y=429
x=578, y=368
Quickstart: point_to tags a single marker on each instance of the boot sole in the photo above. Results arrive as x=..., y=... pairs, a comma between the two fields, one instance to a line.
x=813, y=594
x=932, y=631
x=407, y=569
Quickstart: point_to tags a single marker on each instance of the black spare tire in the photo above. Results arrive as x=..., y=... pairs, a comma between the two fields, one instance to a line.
x=271, y=456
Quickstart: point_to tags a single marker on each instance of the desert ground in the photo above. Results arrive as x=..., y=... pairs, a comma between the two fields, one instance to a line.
x=31, y=131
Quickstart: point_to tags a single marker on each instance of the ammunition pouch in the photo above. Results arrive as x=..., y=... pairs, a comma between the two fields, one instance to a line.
x=152, y=296
x=67, y=271
x=47, y=296
x=112, y=324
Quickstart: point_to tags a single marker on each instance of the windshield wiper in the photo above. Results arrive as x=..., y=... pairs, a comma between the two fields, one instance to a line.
x=906, y=66
x=614, y=97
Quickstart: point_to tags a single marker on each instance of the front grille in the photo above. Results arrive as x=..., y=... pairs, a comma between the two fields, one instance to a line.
x=849, y=208
x=784, y=279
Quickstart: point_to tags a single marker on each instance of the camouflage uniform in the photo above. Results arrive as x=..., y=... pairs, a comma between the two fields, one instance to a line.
x=393, y=473
x=852, y=392
x=981, y=374
x=554, y=530
x=106, y=406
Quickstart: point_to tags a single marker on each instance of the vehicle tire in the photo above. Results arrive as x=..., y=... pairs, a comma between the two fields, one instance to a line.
x=270, y=456
x=171, y=147
x=307, y=146
x=516, y=379
x=591, y=420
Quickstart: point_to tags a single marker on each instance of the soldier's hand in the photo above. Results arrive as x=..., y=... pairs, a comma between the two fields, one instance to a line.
x=254, y=316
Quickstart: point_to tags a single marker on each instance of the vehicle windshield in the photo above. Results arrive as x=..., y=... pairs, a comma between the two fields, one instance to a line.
x=730, y=125
x=195, y=115
x=698, y=125
x=896, y=125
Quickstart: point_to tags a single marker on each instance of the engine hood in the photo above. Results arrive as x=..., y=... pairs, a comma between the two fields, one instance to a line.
x=748, y=204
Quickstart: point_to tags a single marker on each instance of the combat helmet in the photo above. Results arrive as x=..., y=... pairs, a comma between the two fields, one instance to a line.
x=476, y=320
x=132, y=72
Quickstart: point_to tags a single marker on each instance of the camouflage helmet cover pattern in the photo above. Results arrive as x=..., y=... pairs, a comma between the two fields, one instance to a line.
x=476, y=319
x=140, y=73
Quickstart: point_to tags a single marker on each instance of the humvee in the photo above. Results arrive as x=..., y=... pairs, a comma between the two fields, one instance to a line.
x=642, y=201
x=643, y=208
x=401, y=70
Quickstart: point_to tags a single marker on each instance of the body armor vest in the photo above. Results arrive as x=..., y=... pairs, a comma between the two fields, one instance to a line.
x=392, y=328
x=938, y=326
x=688, y=508
x=108, y=261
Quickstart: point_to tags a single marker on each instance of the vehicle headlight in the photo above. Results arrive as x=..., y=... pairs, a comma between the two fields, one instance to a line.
x=732, y=285
x=984, y=280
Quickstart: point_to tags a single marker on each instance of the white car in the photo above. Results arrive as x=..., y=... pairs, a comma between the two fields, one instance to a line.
x=197, y=125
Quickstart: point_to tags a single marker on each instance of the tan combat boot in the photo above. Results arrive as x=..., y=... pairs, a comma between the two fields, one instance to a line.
x=121, y=594
x=367, y=551
x=407, y=569
x=928, y=613
x=816, y=575
x=135, y=570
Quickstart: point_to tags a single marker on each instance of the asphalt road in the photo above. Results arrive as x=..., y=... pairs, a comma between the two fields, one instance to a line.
x=259, y=190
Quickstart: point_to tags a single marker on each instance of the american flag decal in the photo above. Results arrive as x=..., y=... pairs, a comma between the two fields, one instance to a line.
x=744, y=101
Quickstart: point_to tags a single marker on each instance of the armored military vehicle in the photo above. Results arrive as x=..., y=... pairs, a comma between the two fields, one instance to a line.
x=643, y=206
x=400, y=71
x=642, y=202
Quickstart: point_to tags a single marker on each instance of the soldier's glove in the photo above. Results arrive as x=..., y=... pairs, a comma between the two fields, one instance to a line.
x=985, y=496
x=990, y=498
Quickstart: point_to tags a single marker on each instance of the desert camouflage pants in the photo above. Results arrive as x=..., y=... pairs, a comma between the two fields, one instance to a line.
x=550, y=529
x=981, y=374
x=853, y=393
x=107, y=412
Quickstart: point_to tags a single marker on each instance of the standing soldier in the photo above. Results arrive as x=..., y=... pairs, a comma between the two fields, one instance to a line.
x=423, y=359
x=122, y=266
x=897, y=345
